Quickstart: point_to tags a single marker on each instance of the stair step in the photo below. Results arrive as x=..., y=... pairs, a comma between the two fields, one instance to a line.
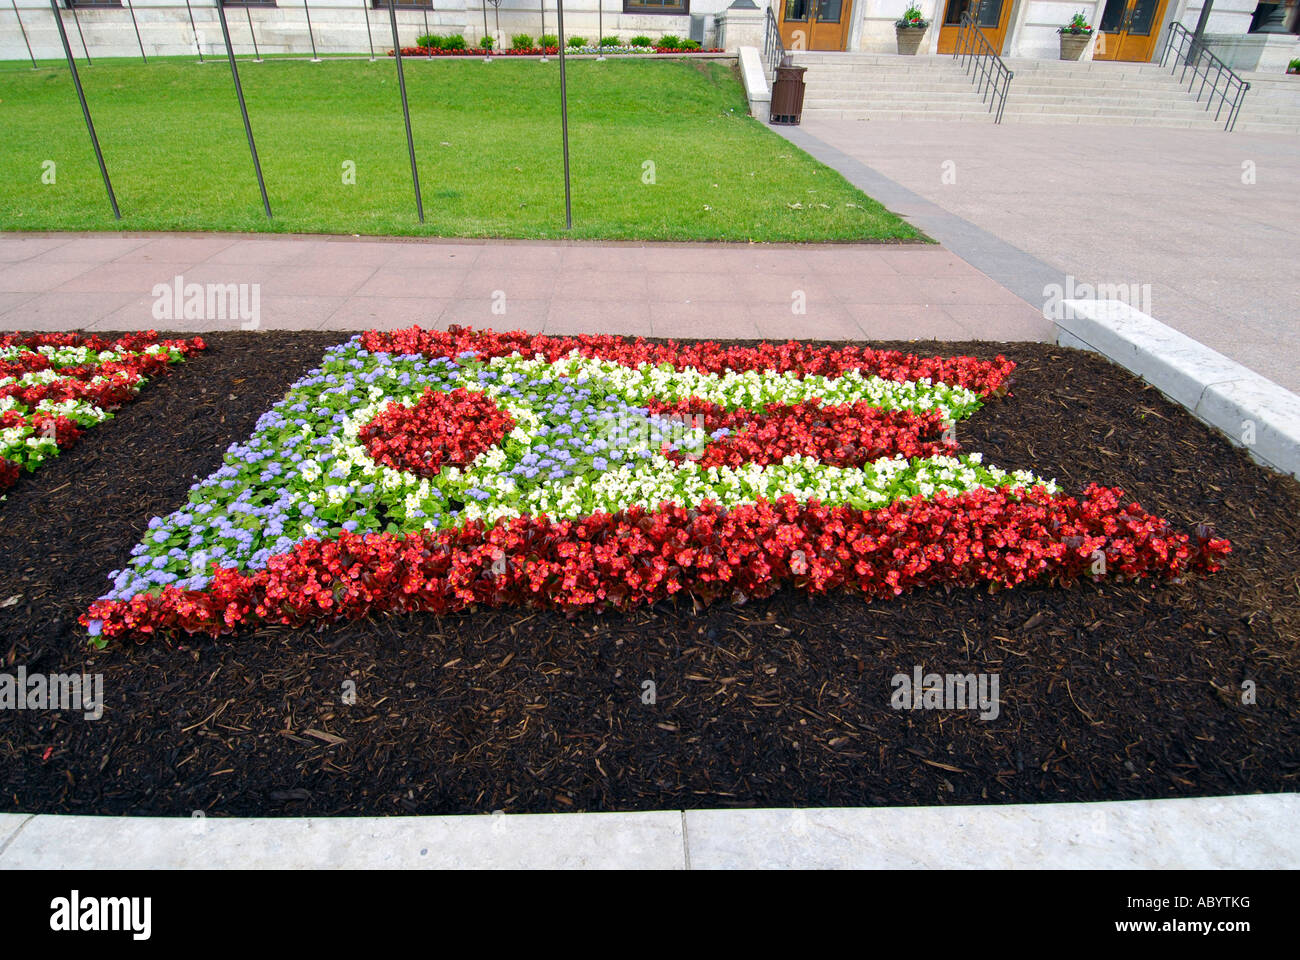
x=856, y=86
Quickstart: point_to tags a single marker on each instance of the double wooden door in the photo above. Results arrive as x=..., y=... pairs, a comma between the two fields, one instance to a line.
x=815, y=24
x=1128, y=30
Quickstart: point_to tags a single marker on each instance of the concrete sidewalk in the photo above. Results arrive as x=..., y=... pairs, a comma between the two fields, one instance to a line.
x=872, y=292
x=1245, y=832
x=1207, y=223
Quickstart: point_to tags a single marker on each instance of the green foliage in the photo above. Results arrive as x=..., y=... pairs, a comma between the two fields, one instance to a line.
x=576, y=42
x=548, y=40
x=430, y=41
x=669, y=41
x=610, y=42
x=640, y=41
x=521, y=41
x=486, y=43
x=688, y=45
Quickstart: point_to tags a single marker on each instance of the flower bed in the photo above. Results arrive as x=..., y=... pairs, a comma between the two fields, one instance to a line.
x=550, y=51
x=54, y=386
x=421, y=470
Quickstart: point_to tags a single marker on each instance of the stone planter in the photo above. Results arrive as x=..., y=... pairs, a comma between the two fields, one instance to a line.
x=909, y=39
x=1073, y=45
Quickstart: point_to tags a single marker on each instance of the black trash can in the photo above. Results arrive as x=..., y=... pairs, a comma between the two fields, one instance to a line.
x=787, y=93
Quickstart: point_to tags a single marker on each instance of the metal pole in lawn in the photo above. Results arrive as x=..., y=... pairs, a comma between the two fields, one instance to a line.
x=488, y=57
x=310, y=36
x=77, y=20
x=600, y=29
x=257, y=56
x=24, y=30
x=540, y=42
x=365, y=5
x=85, y=110
x=564, y=120
x=406, y=110
x=197, y=45
x=425, y=11
x=239, y=92
x=137, y=31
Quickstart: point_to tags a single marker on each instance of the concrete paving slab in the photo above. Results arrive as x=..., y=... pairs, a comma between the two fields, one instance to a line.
x=608, y=841
x=1254, y=832
x=10, y=824
x=344, y=283
x=1209, y=222
x=1245, y=832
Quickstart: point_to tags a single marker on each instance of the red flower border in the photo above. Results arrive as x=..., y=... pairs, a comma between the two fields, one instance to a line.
x=985, y=377
x=997, y=536
x=841, y=435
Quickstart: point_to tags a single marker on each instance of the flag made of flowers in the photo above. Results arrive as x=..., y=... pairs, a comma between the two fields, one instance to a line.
x=435, y=470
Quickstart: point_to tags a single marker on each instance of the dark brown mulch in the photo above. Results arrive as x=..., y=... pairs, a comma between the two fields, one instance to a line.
x=1108, y=692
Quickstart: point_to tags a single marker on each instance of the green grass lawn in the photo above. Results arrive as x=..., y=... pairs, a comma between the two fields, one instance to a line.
x=487, y=139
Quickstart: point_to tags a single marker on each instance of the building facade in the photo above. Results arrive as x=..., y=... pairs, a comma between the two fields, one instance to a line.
x=1250, y=35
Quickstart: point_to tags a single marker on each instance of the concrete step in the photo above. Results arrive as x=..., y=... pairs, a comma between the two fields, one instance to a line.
x=890, y=87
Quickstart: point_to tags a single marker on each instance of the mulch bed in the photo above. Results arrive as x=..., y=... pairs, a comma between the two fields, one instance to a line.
x=1108, y=691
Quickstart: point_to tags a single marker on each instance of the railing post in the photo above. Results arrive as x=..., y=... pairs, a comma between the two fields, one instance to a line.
x=24, y=32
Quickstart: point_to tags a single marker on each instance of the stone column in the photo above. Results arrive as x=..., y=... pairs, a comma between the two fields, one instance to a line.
x=743, y=25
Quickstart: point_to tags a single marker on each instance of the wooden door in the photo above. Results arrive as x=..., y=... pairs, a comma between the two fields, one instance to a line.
x=993, y=16
x=1128, y=30
x=815, y=24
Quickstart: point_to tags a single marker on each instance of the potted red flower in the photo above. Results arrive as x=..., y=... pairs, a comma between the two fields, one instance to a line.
x=910, y=30
x=1074, y=37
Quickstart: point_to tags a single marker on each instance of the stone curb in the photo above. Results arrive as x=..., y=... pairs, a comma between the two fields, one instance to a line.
x=1246, y=832
x=1249, y=409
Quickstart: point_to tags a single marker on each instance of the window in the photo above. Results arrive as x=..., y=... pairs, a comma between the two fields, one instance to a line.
x=677, y=8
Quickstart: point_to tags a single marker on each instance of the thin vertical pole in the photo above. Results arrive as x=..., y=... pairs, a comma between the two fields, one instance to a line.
x=314, y=57
x=484, y=2
x=540, y=43
x=24, y=30
x=197, y=46
x=600, y=29
x=257, y=56
x=425, y=11
x=137, y=31
x=406, y=110
x=365, y=6
x=564, y=120
x=77, y=20
x=85, y=110
x=243, y=109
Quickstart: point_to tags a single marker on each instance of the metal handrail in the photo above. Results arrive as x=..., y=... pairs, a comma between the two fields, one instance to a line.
x=1196, y=56
x=981, y=61
x=773, y=48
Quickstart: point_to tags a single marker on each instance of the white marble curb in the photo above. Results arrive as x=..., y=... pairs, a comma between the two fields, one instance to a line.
x=1250, y=832
x=1251, y=410
x=754, y=77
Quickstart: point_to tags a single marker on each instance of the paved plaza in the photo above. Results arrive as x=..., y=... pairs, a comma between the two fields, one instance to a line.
x=1207, y=222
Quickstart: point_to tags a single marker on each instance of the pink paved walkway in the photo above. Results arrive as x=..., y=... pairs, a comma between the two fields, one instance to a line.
x=105, y=282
